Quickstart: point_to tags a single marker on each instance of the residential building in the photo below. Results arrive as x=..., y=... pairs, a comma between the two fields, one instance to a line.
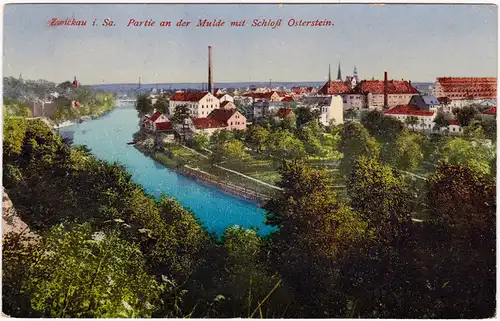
x=425, y=102
x=329, y=107
x=149, y=122
x=464, y=91
x=377, y=94
x=230, y=119
x=284, y=112
x=200, y=104
x=425, y=117
x=227, y=105
x=490, y=113
x=224, y=97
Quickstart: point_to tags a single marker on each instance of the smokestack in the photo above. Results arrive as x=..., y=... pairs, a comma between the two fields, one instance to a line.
x=210, y=74
x=386, y=85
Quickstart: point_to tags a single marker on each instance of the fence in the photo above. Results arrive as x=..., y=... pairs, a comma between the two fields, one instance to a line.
x=228, y=187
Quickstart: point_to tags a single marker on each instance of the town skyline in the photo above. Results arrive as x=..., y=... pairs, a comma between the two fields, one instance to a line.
x=411, y=42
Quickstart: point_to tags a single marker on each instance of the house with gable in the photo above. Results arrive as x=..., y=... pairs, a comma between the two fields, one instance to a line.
x=199, y=103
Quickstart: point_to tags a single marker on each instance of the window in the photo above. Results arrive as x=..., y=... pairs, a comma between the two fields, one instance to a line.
x=231, y=123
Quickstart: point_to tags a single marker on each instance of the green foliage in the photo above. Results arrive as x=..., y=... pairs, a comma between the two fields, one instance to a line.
x=440, y=121
x=144, y=105
x=80, y=274
x=231, y=150
x=405, y=153
x=477, y=154
x=283, y=145
x=305, y=115
x=465, y=115
x=181, y=112
x=257, y=137
x=201, y=141
x=162, y=104
x=383, y=128
x=316, y=233
x=382, y=198
x=412, y=121
x=14, y=131
x=462, y=230
x=13, y=107
x=355, y=142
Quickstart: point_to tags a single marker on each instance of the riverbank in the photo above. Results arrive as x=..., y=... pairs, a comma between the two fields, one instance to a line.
x=192, y=165
x=83, y=118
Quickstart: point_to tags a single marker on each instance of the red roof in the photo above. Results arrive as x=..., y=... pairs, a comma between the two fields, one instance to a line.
x=453, y=122
x=408, y=110
x=491, y=111
x=282, y=93
x=222, y=115
x=287, y=99
x=301, y=90
x=336, y=87
x=377, y=87
x=283, y=112
x=260, y=95
x=164, y=126
x=189, y=96
x=224, y=103
x=155, y=116
x=468, y=88
x=201, y=123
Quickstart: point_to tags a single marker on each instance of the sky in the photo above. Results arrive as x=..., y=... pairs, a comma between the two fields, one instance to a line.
x=412, y=42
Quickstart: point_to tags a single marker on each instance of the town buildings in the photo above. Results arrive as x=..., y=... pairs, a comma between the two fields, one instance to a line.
x=200, y=104
x=464, y=91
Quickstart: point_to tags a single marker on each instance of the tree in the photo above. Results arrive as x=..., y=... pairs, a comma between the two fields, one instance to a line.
x=144, y=104
x=409, y=155
x=256, y=137
x=462, y=234
x=355, y=141
x=382, y=198
x=316, y=233
x=382, y=127
x=14, y=132
x=476, y=154
x=411, y=121
x=304, y=115
x=283, y=145
x=440, y=121
x=201, y=141
x=181, y=113
x=162, y=104
x=465, y=115
x=13, y=107
x=78, y=273
x=350, y=113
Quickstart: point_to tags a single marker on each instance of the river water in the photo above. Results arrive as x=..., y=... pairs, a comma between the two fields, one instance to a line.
x=107, y=137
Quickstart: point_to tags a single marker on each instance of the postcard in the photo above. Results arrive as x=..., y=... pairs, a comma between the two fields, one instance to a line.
x=249, y=160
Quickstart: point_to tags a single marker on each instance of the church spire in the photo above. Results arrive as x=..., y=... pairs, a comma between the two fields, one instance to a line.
x=355, y=74
x=339, y=74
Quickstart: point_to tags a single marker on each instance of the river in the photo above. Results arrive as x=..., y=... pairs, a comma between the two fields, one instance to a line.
x=107, y=137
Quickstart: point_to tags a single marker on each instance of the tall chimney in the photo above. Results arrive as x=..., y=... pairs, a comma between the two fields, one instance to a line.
x=210, y=74
x=386, y=85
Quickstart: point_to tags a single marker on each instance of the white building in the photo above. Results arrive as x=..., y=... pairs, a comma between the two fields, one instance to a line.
x=425, y=117
x=200, y=104
x=330, y=107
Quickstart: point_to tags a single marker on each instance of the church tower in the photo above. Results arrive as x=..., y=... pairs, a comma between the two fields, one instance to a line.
x=355, y=74
x=339, y=74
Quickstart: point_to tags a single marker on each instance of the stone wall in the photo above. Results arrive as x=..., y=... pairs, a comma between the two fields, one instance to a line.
x=10, y=220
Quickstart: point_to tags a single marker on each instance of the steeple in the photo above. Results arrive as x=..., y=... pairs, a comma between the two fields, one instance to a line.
x=355, y=74
x=339, y=74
